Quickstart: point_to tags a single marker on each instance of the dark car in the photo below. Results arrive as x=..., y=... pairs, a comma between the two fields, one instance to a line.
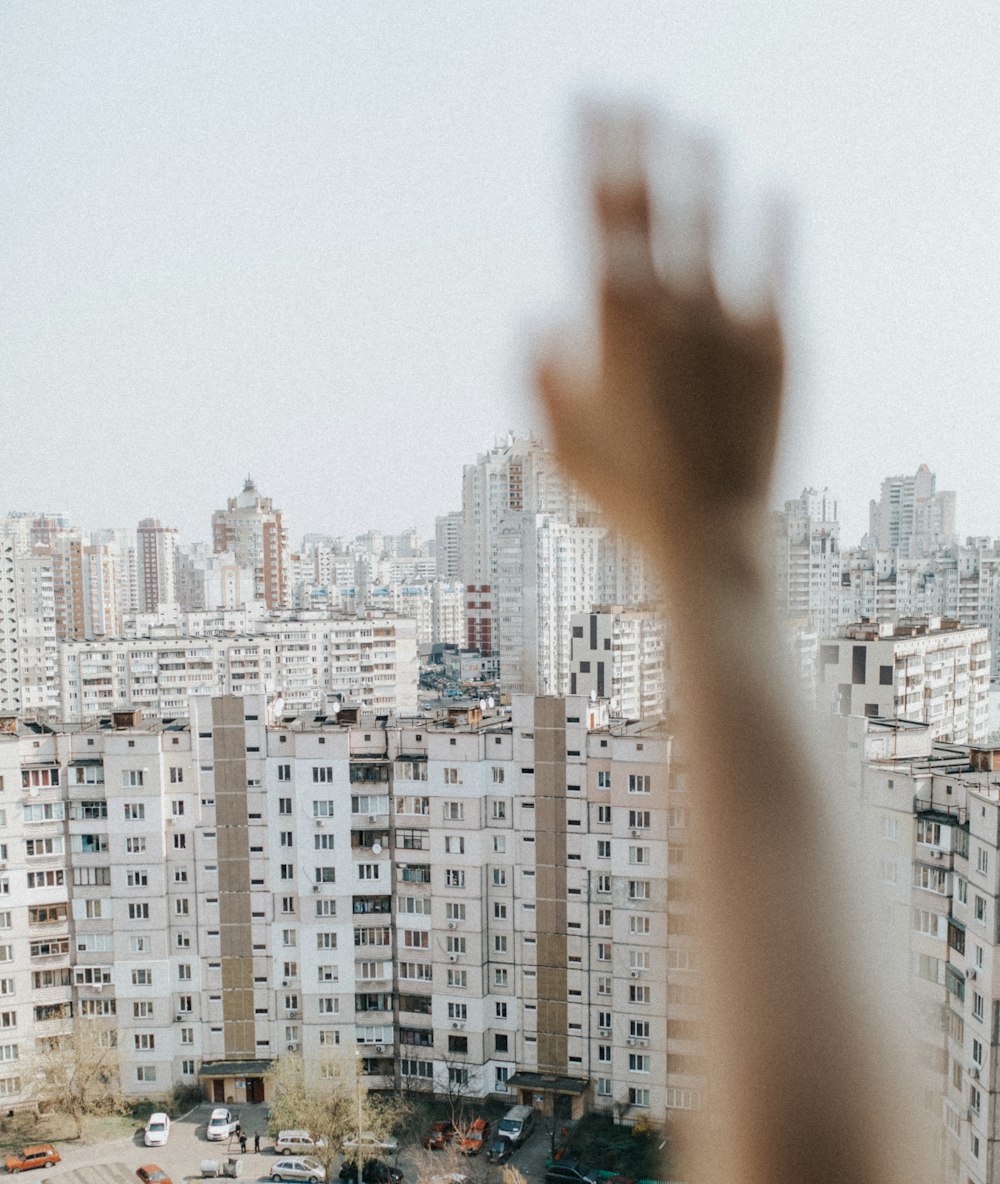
x=438, y=1135
x=375, y=1171
x=569, y=1171
x=498, y=1150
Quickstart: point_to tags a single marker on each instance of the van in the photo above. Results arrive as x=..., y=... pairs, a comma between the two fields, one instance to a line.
x=296, y=1143
x=517, y=1124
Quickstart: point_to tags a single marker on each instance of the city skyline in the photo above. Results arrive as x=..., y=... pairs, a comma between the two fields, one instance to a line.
x=321, y=239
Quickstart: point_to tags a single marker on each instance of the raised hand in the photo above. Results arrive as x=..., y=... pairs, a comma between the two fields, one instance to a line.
x=673, y=427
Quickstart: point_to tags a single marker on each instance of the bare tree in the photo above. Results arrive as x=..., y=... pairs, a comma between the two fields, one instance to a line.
x=80, y=1074
x=456, y=1085
x=328, y=1097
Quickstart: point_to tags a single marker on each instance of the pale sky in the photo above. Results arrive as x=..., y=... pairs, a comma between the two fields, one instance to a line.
x=312, y=241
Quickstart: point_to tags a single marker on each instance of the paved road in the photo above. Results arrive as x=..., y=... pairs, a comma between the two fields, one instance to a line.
x=187, y=1146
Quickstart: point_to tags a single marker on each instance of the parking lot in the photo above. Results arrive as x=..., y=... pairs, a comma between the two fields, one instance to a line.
x=187, y=1147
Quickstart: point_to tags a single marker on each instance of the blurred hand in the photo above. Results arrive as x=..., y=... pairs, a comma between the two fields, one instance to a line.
x=674, y=429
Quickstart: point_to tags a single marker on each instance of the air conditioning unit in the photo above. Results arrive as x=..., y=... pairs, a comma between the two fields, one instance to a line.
x=453, y=957
x=630, y=1042
x=635, y=832
x=315, y=887
x=286, y=982
x=292, y=1014
x=974, y=1072
x=98, y=986
x=970, y=973
x=379, y=1048
x=451, y=925
x=633, y=974
x=292, y=1047
x=178, y=1019
x=321, y=822
x=371, y=817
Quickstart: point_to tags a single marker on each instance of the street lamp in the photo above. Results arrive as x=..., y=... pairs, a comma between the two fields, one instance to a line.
x=357, y=1085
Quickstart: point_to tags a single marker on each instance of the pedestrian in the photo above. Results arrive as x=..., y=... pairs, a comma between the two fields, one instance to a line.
x=256, y=1142
x=243, y=1143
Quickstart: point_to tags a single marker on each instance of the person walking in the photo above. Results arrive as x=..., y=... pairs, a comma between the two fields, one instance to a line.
x=243, y=1142
x=256, y=1142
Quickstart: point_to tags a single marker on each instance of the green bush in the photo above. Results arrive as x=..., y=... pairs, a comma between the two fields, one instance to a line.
x=183, y=1098
x=600, y=1142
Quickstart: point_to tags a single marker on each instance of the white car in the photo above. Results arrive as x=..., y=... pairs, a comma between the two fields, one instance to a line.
x=157, y=1130
x=370, y=1144
x=221, y=1125
x=298, y=1169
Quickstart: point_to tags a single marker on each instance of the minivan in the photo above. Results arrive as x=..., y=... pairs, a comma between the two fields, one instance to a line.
x=517, y=1124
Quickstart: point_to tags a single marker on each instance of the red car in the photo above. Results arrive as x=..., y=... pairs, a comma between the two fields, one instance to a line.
x=438, y=1135
x=149, y=1173
x=474, y=1139
x=38, y=1155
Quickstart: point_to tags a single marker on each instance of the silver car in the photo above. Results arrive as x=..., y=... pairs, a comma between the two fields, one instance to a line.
x=298, y=1169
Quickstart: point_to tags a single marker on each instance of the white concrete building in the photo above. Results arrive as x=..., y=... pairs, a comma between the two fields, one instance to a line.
x=475, y=901
x=619, y=654
x=928, y=670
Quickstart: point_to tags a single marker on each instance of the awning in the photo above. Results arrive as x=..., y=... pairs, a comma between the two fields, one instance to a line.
x=548, y=1083
x=234, y=1068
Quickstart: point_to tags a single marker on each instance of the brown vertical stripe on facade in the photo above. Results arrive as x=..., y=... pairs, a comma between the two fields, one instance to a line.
x=550, y=883
x=233, y=836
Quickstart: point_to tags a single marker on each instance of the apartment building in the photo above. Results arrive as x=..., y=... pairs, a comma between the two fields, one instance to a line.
x=934, y=813
x=369, y=662
x=619, y=654
x=254, y=531
x=477, y=905
x=929, y=670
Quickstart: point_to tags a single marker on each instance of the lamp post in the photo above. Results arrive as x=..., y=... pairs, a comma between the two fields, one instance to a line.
x=357, y=1085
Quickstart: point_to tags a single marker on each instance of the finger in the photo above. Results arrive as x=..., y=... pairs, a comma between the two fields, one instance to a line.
x=615, y=147
x=687, y=215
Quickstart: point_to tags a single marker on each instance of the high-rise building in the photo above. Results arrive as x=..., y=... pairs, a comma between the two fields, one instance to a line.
x=911, y=515
x=255, y=533
x=156, y=567
x=448, y=533
x=618, y=654
x=806, y=541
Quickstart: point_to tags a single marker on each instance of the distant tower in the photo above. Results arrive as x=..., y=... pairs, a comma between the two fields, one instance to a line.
x=253, y=530
x=157, y=546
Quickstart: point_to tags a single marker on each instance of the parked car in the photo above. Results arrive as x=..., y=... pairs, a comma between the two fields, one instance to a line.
x=438, y=1135
x=369, y=1144
x=569, y=1171
x=499, y=1149
x=221, y=1124
x=298, y=1169
x=375, y=1171
x=149, y=1173
x=474, y=1139
x=517, y=1124
x=38, y=1155
x=296, y=1143
x=157, y=1130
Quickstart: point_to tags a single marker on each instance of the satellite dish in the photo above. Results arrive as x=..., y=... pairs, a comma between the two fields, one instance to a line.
x=593, y=696
x=491, y=702
x=482, y=704
x=278, y=706
x=376, y=848
x=335, y=709
x=33, y=791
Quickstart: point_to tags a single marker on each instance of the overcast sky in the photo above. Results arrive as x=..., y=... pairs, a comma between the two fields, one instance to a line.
x=311, y=241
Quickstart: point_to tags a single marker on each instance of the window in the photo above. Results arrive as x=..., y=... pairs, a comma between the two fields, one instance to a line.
x=454, y=811
x=604, y=1054
x=328, y=873
x=137, y=879
x=638, y=1097
x=284, y=805
x=134, y=811
x=638, y=1062
x=499, y=877
x=638, y=854
x=182, y=906
x=604, y=951
x=604, y=984
x=499, y=811
x=639, y=819
x=638, y=923
x=326, y=940
x=639, y=993
x=501, y=1009
x=458, y=1011
x=417, y=939
x=135, y=844
x=284, y=772
x=455, y=910
x=454, y=877
x=978, y=1005
x=367, y=871
x=604, y=1087
x=458, y=979
x=142, y=978
x=498, y=775
x=638, y=783
x=638, y=890
x=603, y=848
x=457, y=1077
x=603, y=883
x=322, y=808
x=500, y=911
x=604, y=815
x=451, y=777
x=982, y=860
x=322, y=774
x=180, y=842
x=176, y=776
x=145, y=1073
x=604, y=779
x=454, y=845
x=980, y=909
x=500, y=976
x=962, y=889
x=638, y=959
x=131, y=777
